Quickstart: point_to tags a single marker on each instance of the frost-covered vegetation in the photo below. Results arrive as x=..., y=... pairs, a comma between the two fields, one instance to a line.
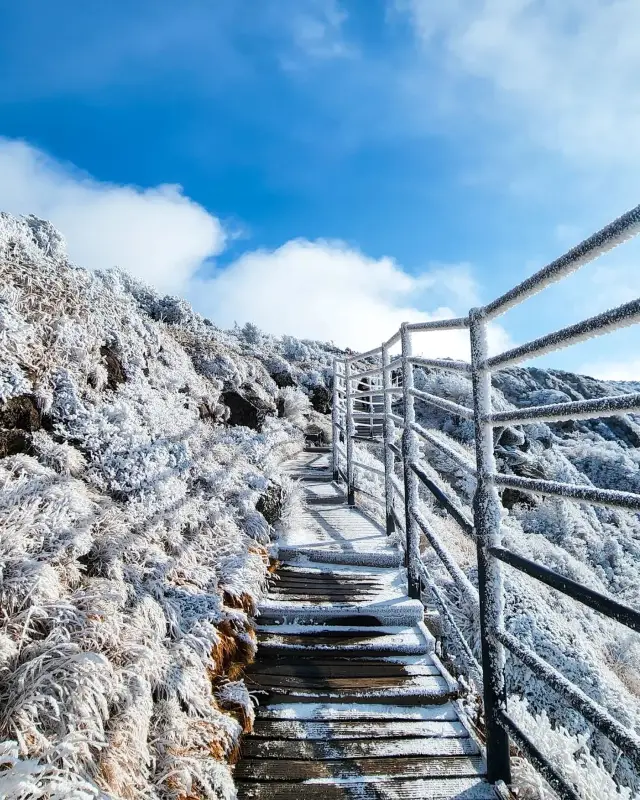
x=139, y=489
x=595, y=546
x=139, y=494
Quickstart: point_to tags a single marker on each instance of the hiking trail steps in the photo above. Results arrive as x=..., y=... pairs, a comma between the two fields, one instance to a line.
x=353, y=701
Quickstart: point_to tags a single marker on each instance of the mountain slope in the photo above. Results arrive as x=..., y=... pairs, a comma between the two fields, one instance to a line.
x=139, y=482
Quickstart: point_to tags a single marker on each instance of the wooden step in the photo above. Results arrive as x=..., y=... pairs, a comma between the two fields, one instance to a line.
x=416, y=689
x=345, y=667
x=372, y=713
x=354, y=729
x=326, y=553
x=339, y=640
x=313, y=750
x=372, y=789
x=282, y=769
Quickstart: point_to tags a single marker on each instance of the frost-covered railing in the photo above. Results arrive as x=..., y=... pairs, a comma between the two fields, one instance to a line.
x=376, y=380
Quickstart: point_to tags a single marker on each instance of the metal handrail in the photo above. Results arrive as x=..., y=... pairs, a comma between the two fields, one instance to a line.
x=485, y=527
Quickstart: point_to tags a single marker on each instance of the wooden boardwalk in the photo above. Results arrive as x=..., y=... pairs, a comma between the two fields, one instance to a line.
x=353, y=701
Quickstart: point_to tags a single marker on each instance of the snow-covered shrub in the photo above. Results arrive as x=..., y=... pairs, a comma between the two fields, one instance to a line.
x=251, y=333
x=294, y=349
x=132, y=546
x=598, y=547
x=295, y=404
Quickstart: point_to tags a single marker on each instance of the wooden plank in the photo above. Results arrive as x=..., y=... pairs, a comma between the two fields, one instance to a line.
x=327, y=582
x=429, y=683
x=337, y=669
x=350, y=729
x=316, y=587
x=418, y=789
x=281, y=769
x=399, y=695
x=358, y=748
x=317, y=598
x=338, y=712
x=287, y=574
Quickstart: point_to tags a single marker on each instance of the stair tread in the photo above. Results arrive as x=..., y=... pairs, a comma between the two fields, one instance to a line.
x=352, y=702
x=372, y=789
x=303, y=769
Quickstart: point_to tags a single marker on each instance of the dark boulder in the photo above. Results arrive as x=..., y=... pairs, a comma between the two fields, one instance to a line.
x=270, y=503
x=513, y=497
x=321, y=400
x=13, y=442
x=21, y=413
x=115, y=372
x=283, y=379
x=244, y=411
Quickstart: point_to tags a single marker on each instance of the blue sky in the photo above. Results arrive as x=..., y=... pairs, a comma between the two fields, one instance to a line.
x=418, y=156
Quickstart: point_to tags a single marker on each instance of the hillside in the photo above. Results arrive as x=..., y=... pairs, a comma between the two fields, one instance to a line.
x=140, y=498
x=595, y=546
x=139, y=486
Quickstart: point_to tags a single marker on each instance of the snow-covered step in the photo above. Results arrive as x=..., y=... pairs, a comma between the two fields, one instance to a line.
x=297, y=770
x=319, y=492
x=362, y=748
x=419, y=689
x=280, y=608
x=355, y=729
x=358, y=712
x=328, y=554
x=341, y=639
x=370, y=788
x=339, y=535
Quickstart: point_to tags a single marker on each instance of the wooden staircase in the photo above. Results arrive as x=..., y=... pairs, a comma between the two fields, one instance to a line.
x=354, y=702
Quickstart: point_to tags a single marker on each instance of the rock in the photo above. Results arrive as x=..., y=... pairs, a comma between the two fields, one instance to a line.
x=510, y=437
x=270, y=503
x=315, y=435
x=283, y=379
x=513, y=497
x=21, y=413
x=244, y=411
x=13, y=442
x=321, y=400
x=115, y=372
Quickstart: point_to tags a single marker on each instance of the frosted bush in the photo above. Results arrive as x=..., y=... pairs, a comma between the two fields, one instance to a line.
x=569, y=755
x=296, y=405
x=294, y=350
x=132, y=550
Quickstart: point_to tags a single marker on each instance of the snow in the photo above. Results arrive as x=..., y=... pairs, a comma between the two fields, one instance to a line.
x=358, y=711
x=132, y=551
x=594, y=545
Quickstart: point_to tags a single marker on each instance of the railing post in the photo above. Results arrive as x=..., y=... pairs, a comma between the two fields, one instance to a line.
x=335, y=421
x=487, y=511
x=350, y=433
x=389, y=435
x=409, y=456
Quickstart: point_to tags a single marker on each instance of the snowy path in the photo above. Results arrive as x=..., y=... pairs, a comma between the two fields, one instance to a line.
x=353, y=701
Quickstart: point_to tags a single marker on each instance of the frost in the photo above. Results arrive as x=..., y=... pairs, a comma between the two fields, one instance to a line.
x=132, y=548
x=596, y=546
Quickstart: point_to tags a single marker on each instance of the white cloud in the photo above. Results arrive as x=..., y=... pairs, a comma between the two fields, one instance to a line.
x=328, y=290
x=613, y=370
x=317, y=29
x=314, y=290
x=565, y=72
x=157, y=234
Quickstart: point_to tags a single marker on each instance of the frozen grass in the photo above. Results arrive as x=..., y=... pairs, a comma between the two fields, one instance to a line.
x=132, y=546
x=595, y=546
